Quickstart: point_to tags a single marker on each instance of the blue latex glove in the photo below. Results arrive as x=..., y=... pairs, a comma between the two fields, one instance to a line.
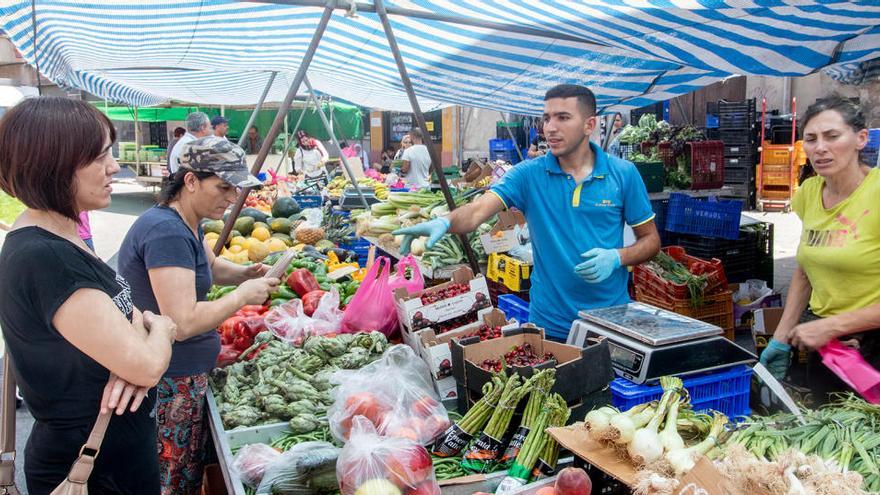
x=434, y=230
x=776, y=358
x=599, y=265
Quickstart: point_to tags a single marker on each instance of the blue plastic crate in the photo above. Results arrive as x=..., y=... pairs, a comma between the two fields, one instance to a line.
x=361, y=247
x=502, y=145
x=514, y=307
x=305, y=201
x=398, y=189
x=712, y=218
x=725, y=391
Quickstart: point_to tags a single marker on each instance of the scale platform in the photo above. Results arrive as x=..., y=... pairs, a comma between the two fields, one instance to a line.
x=648, y=342
x=351, y=201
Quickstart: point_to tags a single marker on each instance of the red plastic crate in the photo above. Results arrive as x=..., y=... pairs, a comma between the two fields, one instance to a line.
x=707, y=164
x=652, y=285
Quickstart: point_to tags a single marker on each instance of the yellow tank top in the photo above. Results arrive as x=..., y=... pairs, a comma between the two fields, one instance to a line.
x=840, y=246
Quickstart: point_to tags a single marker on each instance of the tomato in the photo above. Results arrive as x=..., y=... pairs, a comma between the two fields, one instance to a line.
x=408, y=467
x=425, y=406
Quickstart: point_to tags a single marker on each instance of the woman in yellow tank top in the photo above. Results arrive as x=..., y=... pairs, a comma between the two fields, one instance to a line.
x=835, y=289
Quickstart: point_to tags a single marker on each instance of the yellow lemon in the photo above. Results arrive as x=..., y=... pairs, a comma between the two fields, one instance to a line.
x=261, y=233
x=237, y=241
x=212, y=235
x=235, y=248
x=258, y=251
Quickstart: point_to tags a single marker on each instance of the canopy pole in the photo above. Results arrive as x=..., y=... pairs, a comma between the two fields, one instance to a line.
x=137, y=143
x=420, y=119
x=286, y=137
x=290, y=141
x=253, y=116
x=329, y=128
x=276, y=124
x=510, y=133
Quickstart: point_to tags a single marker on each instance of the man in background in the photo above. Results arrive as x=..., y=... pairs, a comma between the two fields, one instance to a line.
x=197, y=126
x=220, y=125
x=416, y=166
x=253, y=142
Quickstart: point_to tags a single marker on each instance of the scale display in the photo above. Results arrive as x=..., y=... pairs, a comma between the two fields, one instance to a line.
x=649, y=324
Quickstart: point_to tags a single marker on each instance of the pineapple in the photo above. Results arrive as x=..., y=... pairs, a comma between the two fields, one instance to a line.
x=309, y=235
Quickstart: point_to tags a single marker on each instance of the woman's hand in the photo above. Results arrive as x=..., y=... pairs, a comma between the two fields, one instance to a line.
x=255, y=270
x=814, y=334
x=256, y=290
x=118, y=393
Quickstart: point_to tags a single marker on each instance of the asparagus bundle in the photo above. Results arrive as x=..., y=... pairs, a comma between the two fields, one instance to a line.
x=543, y=382
x=550, y=455
x=451, y=442
x=554, y=412
x=481, y=456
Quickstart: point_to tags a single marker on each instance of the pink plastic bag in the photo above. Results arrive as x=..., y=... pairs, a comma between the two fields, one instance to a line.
x=849, y=365
x=415, y=283
x=372, y=307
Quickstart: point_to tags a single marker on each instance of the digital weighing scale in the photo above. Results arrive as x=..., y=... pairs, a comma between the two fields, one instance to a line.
x=350, y=200
x=648, y=342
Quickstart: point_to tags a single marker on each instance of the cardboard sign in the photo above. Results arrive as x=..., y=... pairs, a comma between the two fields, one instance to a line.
x=703, y=479
x=505, y=234
x=575, y=439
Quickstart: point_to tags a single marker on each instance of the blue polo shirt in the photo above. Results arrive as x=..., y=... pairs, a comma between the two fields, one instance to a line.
x=566, y=219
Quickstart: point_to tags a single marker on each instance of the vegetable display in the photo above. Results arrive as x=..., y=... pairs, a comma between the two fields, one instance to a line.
x=845, y=431
x=669, y=269
x=289, y=383
x=454, y=440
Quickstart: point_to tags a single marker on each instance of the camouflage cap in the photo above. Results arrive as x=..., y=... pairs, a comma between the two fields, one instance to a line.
x=220, y=157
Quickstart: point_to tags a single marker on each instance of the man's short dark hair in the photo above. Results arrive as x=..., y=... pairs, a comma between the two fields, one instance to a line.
x=586, y=98
x=416, y=133
x=179, y=132
x=43, y=142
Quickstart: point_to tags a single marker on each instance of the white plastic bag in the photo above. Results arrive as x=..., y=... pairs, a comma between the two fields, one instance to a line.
x=289, y=322
x=371, y=464
x=252, y=461
x=308, y=468
x=394, y=393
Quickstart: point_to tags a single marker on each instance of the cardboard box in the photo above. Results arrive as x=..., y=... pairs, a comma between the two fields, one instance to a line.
x=575, y=439
x=511, y=272
x=743, y=314
x=434, y=347
x=414, y=315
x=504, y=236
x=579, y=371
x=476, y=172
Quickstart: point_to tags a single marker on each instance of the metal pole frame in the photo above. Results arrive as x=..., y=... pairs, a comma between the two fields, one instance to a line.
x=257, y=108
x=290, y=141
x=420, y=119
x=329, y=128
x=510, y=133
x=276, y=124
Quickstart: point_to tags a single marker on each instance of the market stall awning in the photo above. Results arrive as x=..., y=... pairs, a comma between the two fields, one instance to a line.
x=493, y=54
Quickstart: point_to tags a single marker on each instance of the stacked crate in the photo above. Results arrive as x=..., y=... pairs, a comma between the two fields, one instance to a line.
x=736, y=127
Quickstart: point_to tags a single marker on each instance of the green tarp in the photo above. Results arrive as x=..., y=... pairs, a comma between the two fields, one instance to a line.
x=347, y=119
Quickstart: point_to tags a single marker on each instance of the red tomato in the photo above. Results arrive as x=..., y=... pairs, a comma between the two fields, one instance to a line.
x=425, y=406
x=409, y=467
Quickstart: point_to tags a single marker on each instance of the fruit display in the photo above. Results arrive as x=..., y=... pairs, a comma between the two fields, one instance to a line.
x=338, y=185
x=521, y=355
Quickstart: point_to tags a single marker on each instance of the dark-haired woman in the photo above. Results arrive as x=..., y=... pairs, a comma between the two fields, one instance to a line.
x=835, y=289
x=170, y=269
x=78, y=344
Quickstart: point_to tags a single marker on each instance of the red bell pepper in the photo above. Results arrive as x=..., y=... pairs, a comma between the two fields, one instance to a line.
x=229, y=329
x=302, y=282
x=227, y=356
x=251, y=310
x=252, y=326
x=310, y=301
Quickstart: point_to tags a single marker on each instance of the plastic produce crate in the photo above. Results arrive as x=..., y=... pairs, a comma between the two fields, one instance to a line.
x=715, y=309
x=308, y=201
x=514, y=307
x=712, y=218
x=501, y=145
x=707, y=164
x=742, y=258
x=732, y=137
x=651, y=284
x=361, y=247
x=653, y=174
x=725, y=391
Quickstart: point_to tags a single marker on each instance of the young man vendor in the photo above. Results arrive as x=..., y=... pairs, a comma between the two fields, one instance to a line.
x=576, y=199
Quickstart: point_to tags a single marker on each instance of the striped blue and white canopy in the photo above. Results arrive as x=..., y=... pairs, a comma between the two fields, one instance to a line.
x=630, y=52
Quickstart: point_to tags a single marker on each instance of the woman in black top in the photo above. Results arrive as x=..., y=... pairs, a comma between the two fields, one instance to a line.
x=77, y=344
